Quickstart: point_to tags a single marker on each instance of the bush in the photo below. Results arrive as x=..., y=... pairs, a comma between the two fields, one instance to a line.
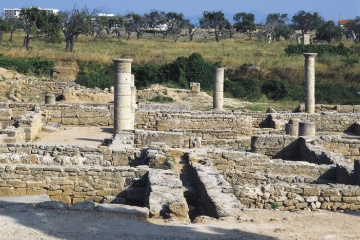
x=147, y=74
x=248, y=88
x=319, y=49
x=180, y=72
x=95, y=75
x=279, y=90
x=336, y=93
x=161, y=99
x=36, y=66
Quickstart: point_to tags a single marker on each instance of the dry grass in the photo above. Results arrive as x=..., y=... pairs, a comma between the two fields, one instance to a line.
x=231, y=52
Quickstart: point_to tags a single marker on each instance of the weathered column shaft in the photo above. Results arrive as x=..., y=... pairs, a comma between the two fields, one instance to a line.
x=307, y=129
x=293, y=127
x=50, y=98
x=218, y=94
x=133, y=101
x=310, y=82
x=122, y=94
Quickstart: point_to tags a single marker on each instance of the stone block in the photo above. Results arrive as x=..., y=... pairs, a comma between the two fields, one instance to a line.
x=330, y=192
x=312, y=199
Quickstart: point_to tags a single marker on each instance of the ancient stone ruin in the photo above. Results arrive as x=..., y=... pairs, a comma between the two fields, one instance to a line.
x=177, y=162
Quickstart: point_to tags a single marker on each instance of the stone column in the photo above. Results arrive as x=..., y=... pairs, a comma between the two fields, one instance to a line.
x=218, y=94
x=307, y=129
x=306, y=39
x=310, y=82
x=122, y=94
x=292, y=128
x=133, y=101
x=50, y=98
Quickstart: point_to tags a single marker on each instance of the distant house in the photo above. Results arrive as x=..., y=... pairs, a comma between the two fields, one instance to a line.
x=15, y=12
x=342, y=22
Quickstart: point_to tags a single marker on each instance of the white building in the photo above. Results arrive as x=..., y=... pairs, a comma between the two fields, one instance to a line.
x=15, y=12
x=106, y=15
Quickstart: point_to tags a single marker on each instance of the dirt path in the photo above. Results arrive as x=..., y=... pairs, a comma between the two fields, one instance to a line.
x=86, y=135
x=253, y=224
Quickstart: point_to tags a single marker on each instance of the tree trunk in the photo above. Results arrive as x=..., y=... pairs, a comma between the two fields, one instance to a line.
x=27, y=43
x=67, y=45
x=217, y=37
x=72, y=42
x=191, y=37
x=1, y=36
x=11, y=35
x=128, y=36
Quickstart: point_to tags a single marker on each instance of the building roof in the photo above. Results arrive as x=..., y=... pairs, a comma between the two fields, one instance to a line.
x=343, y=21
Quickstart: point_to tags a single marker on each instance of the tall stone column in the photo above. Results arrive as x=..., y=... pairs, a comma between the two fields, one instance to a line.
x=133, y=101
x=122, y=94
x=310, y=82
x=218, y=94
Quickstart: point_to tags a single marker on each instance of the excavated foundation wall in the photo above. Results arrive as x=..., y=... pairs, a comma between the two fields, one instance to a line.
x=51, y=154
x=325, y=122
x=70, y=184
x=260, y=182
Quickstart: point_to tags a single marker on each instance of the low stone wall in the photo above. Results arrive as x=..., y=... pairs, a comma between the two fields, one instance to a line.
x=260, y=182
x=349, y=146
x=92, y=115
x=5, y=114
x=12, y=134
x=146, y=138
x=68, y=184
x=332, y=108
x=325, y=121
x=277, y=146
x=31, y=123
x=162, y=107
x=65, y=155
x=195, y=120
x=240, y=168
x=165, y=195
x=215, y=194
x=299, y=196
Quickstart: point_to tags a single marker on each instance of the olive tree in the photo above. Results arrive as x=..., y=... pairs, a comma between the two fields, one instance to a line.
x=214, y=20
x=73, y=23
x=244, y=23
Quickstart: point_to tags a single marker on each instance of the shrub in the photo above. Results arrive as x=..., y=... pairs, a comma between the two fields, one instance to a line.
x=247, y=88
x=278, y=90
x=95, y=75
x=35, y=65
x=161, y=99
x=319, y=49
x=147, y=74
x=336, y=93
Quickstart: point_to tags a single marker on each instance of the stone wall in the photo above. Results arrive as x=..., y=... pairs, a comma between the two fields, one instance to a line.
x=68, y=184
x=215, y=194
x=332, y=108
x=325, y=121
x=146, y=138
x=278, y=146
x=165, y=195
x=260, y=182
x=299, y=196
x=65, y=155
x=31, y=123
